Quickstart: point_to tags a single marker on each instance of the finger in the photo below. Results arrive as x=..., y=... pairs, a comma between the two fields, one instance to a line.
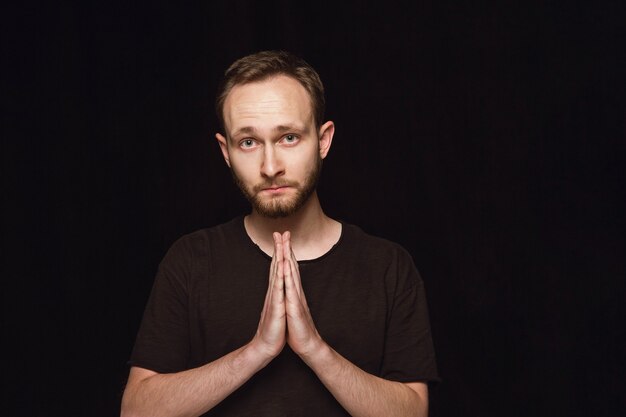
x=295, y=299
x=286, y=244
x=274, y=310
x=288, y=252
x=276, y=319
x=273, y=272
x=291, y=259
x=273, y=265
x=277, y=255
x=291, y=254
x=291, y=291
x=278, y=289
x=295, y=272
x=277, y=282
x=297, y=281
x=300, y=326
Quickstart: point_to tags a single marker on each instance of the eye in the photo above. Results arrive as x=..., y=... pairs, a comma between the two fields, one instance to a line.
x=290, y=139
x=247, y=143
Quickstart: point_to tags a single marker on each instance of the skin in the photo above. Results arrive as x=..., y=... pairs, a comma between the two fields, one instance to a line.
x=273, y=146
x=272, y=140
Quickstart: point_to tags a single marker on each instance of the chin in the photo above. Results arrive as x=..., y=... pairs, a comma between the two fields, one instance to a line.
x=278, y=209
x=274, y=212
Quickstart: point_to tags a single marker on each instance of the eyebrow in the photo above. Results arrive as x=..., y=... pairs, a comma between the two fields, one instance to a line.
x=276, y=129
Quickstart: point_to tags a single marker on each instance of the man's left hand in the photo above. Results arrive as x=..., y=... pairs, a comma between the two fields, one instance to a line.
x=302, y=336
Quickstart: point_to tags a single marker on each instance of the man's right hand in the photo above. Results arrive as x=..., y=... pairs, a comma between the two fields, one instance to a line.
x=270, y=337
x=195, y=391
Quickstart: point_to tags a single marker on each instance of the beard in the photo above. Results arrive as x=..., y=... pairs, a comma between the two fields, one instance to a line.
x=280, y=206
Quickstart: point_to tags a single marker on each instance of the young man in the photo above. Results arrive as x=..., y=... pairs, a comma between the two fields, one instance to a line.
x=341, y=325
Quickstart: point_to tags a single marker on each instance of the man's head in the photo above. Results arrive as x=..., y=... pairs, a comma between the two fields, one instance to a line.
x=263, y=65
x=274, y=141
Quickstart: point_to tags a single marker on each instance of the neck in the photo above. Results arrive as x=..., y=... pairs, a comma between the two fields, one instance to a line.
x=310, y=228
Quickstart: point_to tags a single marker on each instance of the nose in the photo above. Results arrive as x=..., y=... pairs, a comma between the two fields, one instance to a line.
x=271, y=166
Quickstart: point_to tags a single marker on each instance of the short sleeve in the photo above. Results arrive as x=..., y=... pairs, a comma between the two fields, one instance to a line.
x=162, y=343
x=409, y=352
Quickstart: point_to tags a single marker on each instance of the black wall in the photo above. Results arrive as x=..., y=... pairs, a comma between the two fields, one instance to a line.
x=489, y=138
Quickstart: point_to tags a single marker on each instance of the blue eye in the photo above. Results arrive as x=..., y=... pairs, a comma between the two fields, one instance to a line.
x=247, y=143
x=290, y=138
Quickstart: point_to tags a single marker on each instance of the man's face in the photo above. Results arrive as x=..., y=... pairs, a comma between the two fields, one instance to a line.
x=272, y=146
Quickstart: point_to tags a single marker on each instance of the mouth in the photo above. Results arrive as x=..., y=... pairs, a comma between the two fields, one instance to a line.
x=275, y=189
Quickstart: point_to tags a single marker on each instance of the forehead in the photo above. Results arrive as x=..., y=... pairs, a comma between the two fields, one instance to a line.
x=279, y=100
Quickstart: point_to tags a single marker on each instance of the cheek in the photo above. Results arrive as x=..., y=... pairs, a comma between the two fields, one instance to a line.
x=309, y=162
x=305, y=156
x=244, y=164
x=242, y=171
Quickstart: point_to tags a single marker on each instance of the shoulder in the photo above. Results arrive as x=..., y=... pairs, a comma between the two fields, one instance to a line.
x=187, y=260
x=199, y=244
x=371, y=245
x=380, y=256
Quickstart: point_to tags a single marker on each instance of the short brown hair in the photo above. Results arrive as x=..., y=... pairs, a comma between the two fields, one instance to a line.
x=265, y=64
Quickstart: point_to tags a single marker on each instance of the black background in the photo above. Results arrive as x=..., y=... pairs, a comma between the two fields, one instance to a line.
x=488, y=138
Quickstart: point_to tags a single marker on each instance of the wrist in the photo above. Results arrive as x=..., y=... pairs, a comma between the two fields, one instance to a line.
x=320, y=354
x=257, y=354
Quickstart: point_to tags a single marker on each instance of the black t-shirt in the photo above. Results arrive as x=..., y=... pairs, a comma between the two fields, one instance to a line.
x=365, y=295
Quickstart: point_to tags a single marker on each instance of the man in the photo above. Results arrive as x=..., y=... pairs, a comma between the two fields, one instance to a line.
x=341, y=326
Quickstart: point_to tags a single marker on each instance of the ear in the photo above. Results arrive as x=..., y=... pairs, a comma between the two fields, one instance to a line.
x=224, y=147
x=326, y=138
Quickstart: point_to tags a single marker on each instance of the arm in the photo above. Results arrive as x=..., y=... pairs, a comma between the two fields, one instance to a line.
x=363, y=394
x=359, y=392
x=188, y=393
x=195, y=391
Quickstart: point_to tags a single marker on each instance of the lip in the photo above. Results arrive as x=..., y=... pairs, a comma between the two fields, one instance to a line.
x=275, y=190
